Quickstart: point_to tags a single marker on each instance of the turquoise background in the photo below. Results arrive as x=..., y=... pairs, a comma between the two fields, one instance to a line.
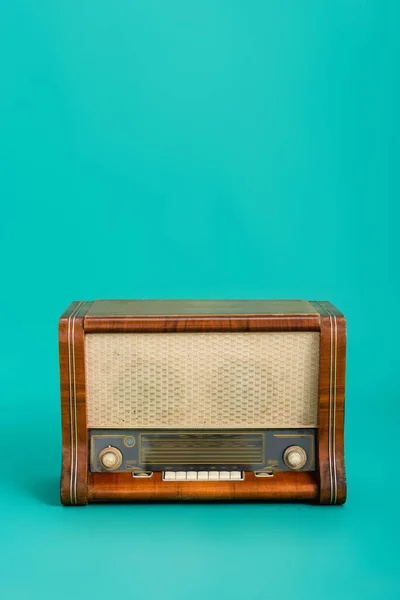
x=222, y=149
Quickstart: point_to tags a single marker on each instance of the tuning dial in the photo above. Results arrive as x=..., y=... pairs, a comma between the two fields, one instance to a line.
x=295, y=457
x=110, y=458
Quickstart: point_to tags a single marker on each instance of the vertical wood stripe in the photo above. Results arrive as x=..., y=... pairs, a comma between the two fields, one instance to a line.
x=72, y=405
x=332, y=407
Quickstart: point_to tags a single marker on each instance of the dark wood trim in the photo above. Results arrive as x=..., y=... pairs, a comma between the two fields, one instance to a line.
x=283, y=487
x=73, y=405
x=199, y=324
x=332, y=478
x=65, y=411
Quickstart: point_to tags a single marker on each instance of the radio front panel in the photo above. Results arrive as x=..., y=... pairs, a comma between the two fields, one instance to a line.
x=194, y=451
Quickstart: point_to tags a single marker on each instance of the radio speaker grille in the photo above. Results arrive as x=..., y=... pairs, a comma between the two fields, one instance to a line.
x=202, y=380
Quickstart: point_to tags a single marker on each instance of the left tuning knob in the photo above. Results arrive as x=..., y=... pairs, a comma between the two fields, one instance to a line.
x=110, y=458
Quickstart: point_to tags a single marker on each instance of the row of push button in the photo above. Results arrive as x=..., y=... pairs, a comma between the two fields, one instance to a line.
x=202, y=475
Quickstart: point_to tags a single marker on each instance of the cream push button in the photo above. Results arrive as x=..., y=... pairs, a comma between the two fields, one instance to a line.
x=110, y=458
x=295, y=457
x=203, y=476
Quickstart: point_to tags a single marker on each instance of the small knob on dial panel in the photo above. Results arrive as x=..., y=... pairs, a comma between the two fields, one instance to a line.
x=295, y=457
x=110, y=458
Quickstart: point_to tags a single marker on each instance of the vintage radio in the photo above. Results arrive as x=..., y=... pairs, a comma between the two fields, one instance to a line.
x=202, y=400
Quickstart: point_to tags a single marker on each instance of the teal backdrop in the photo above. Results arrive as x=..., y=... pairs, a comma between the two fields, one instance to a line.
x=213, y=149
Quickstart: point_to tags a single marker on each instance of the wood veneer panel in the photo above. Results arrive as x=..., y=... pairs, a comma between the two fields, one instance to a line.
x=73, y=405
x=119, y=316
x=112, y=487
x=182, y=324
x=140, y=308
x=331, y=405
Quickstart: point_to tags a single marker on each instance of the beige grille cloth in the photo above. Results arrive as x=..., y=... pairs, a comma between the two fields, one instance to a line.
x=213, y=380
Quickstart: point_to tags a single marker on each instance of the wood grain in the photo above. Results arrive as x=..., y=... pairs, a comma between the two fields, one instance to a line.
x=182, y=308
x=201, y=324
x=331, y=405
x=73, y=405
x=152, y=316
x=283, y=487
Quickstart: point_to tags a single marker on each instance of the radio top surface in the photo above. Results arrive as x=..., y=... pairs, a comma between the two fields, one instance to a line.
x=121, y=308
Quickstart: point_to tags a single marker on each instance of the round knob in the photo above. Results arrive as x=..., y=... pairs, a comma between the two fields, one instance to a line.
x=110, y=458
x=295, y=457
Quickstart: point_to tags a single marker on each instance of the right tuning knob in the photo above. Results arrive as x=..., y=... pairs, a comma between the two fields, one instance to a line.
x=295, y=457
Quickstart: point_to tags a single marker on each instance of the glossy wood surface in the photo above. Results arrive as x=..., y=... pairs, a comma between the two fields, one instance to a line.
x=146, y=316
x=167, y=308
x=73, y=405
x=201, y=324
x=283, y=487
x=331, y=405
